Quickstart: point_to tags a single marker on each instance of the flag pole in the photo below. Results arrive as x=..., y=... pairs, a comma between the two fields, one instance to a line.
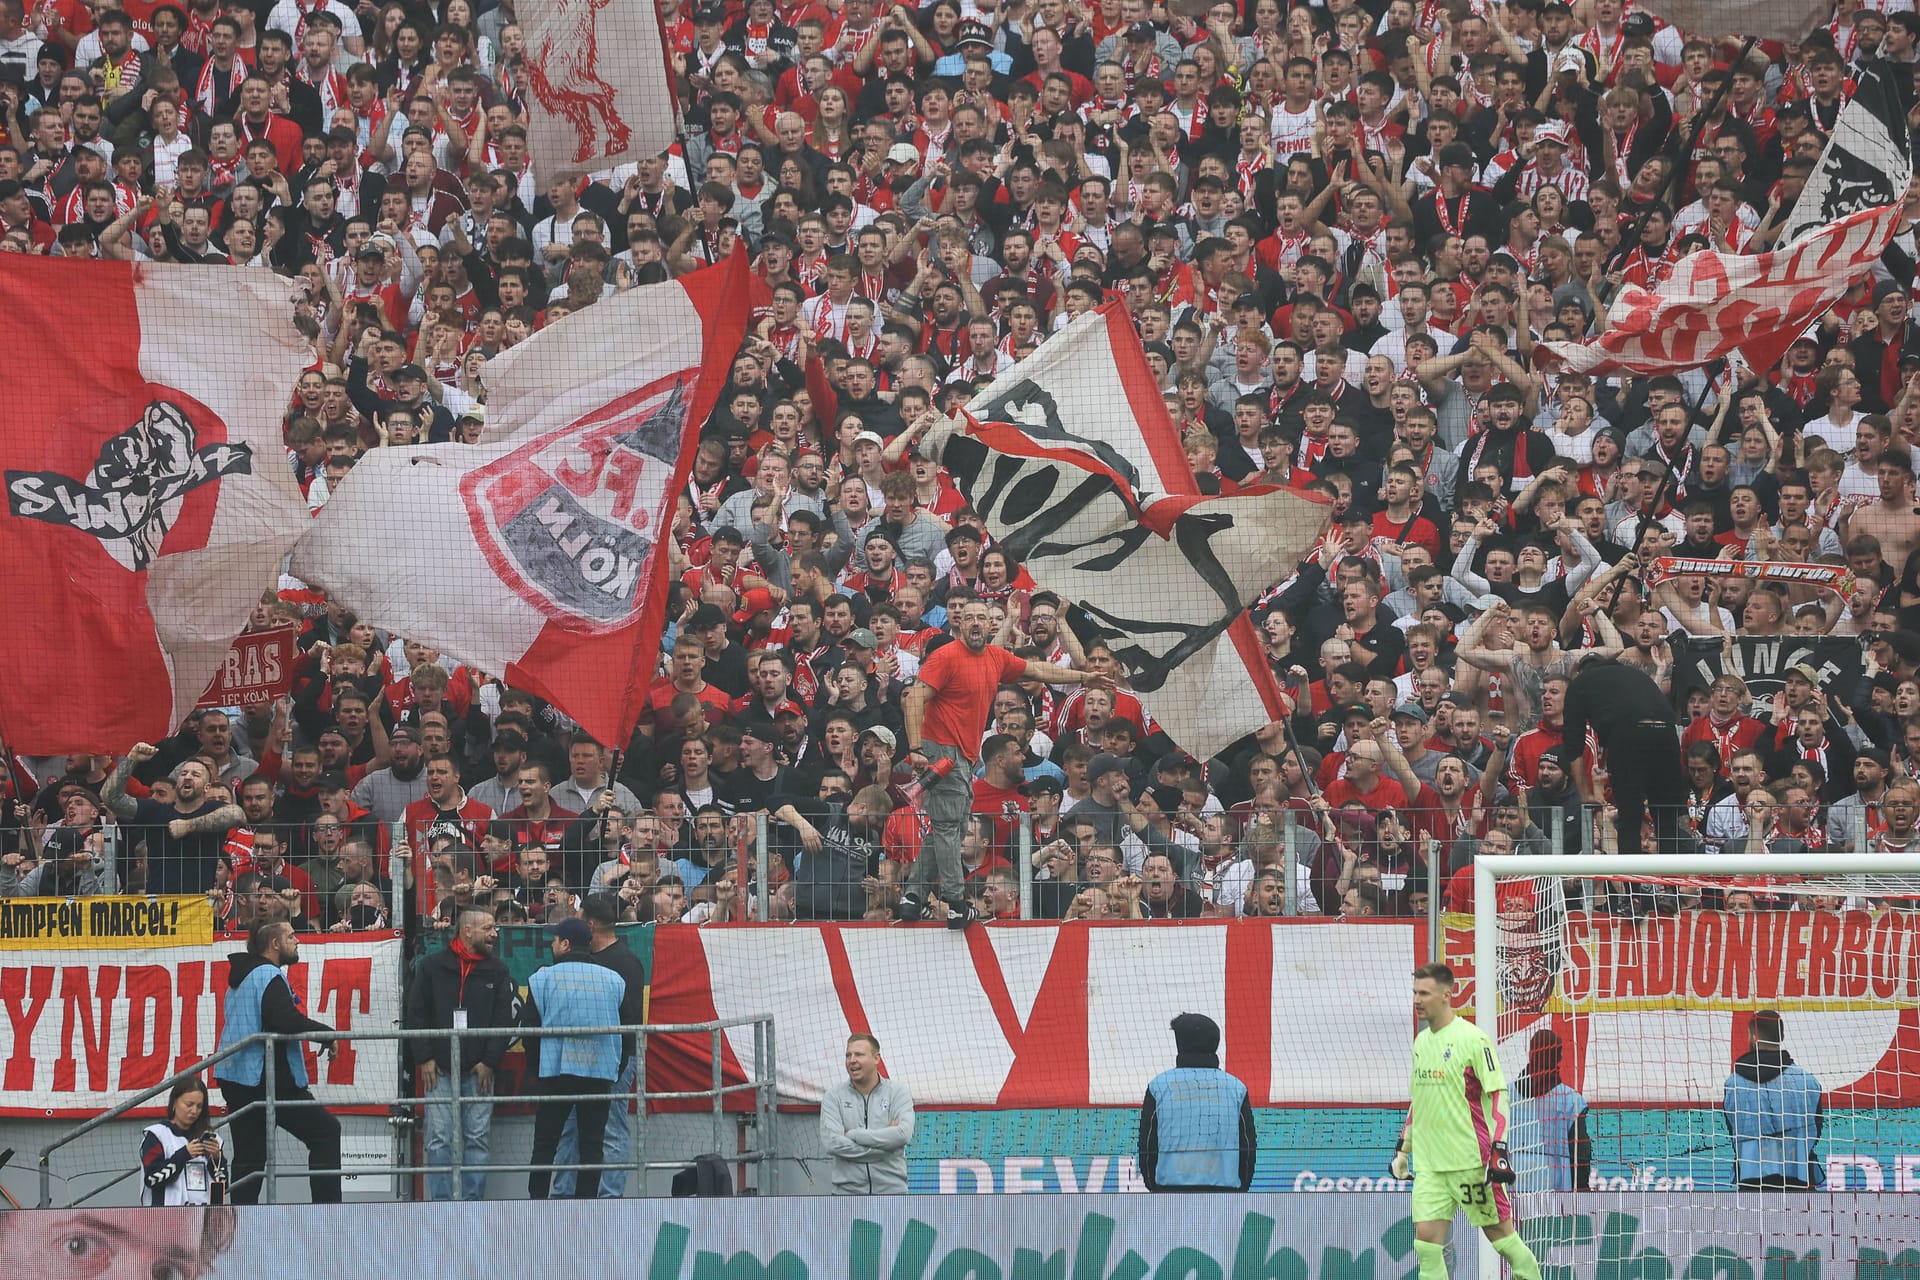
x=1627, y=242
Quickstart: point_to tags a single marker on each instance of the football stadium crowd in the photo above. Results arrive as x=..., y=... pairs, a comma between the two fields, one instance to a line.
x=1341, y=232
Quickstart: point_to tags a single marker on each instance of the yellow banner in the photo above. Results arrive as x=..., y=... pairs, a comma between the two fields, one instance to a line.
x=69, y=923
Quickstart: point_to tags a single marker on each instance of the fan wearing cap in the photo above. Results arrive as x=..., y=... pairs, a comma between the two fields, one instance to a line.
x=578, y=1071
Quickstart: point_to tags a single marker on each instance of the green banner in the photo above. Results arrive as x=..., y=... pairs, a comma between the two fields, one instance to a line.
x=524, y=947
x=1784, y=1236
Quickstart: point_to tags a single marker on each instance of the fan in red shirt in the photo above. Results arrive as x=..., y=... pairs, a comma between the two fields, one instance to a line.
x=446, y=810
x=536, y=819
x=1725, y=725
x=1516, y=897
x=1364, y=782
x=999, y=794
x=945, y=711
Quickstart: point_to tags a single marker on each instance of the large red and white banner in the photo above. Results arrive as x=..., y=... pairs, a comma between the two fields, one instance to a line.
x=1715, y=303
x=86, y=1030
x=554, y=522
x=1659, y=1008
x=1312, y=1012
x=1078, y=472
x=599, y=85
x=148, y=498
x=1043, y=1015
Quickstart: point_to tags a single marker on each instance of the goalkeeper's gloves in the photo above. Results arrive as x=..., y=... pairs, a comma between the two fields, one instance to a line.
x=1402, y=1168
x=1500, y=1165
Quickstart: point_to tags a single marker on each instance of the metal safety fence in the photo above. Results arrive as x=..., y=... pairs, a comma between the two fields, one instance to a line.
x=755, y=1162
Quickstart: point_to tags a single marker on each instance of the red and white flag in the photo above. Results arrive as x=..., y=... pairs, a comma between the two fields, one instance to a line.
x=1715, y=303
x=536, y=556
x=1078, y=472
x=600, y=85
x=149, y=500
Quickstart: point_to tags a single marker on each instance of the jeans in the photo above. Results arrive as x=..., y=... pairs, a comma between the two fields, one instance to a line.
x=589, y=1099
x=475, y=1126
x=315, y=1127
x=937, y=870
x=618, y=1145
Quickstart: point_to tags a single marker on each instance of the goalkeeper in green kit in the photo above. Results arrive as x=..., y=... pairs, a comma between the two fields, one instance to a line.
x=1455, y=1135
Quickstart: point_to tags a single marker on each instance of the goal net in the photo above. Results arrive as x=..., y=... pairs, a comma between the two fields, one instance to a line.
x=1715, y=1043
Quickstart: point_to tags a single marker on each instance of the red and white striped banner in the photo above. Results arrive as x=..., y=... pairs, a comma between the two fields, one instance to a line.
x=1044, y=1015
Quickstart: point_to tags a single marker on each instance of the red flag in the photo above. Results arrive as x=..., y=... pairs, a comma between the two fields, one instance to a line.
x=149, y=500
x=556, y=523
x=1715, y=303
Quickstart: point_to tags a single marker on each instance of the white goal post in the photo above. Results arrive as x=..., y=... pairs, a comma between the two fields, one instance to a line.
x=1633, y=980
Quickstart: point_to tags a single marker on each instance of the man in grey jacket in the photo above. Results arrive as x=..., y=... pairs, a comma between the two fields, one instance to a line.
x=865, y=1125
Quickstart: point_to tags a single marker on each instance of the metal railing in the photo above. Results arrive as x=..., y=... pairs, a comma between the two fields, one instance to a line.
x=761, y=1083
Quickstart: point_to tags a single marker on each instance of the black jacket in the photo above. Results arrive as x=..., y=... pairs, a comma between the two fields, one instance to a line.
x=619, y=957
x=278, y=1013
x=435, y=992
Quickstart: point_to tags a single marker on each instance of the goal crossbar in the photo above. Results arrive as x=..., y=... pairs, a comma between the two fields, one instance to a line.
x=1489, y=872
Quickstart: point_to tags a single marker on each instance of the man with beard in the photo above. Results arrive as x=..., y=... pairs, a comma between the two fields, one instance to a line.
x=710, y=847
x=839, y=849
x=184, y=837
x=964, y=676
x=461, y=985
x=387, y=792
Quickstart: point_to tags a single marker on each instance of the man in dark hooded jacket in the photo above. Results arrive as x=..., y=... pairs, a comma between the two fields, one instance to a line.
x=1196, y=1124
x=1775, y=1114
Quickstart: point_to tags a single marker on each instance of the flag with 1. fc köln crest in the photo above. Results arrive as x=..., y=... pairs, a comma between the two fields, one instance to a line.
x=537, y=554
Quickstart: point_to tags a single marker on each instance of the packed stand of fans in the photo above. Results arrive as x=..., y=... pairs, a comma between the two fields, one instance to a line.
x=1340, y=232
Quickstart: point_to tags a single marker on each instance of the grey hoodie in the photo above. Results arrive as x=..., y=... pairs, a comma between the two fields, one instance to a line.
x=867, y=1136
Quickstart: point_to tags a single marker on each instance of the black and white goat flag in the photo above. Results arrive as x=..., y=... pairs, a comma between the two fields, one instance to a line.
x=1074, y=465
x=1866, y=164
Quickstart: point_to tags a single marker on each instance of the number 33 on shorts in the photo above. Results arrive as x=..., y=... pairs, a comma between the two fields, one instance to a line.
x=1436, y=1197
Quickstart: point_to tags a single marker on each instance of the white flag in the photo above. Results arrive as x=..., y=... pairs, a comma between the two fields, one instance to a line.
x=1717, y=303
x=599, y=86
x=1783, y=20
x=148, y=497
x=1079, y=474
x=537, y=556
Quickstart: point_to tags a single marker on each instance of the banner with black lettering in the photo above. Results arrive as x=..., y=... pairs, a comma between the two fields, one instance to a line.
x=1866, y=164
x=1162, y=585
x=1762, y=662
x=43, y=924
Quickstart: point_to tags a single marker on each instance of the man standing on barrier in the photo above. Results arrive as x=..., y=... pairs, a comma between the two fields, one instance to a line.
x=609, y=950
x=578, y=1071
x=1634, y=723
x=259, y=999
x=1196, y=1122
x=946, y=714
x=463, y=985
